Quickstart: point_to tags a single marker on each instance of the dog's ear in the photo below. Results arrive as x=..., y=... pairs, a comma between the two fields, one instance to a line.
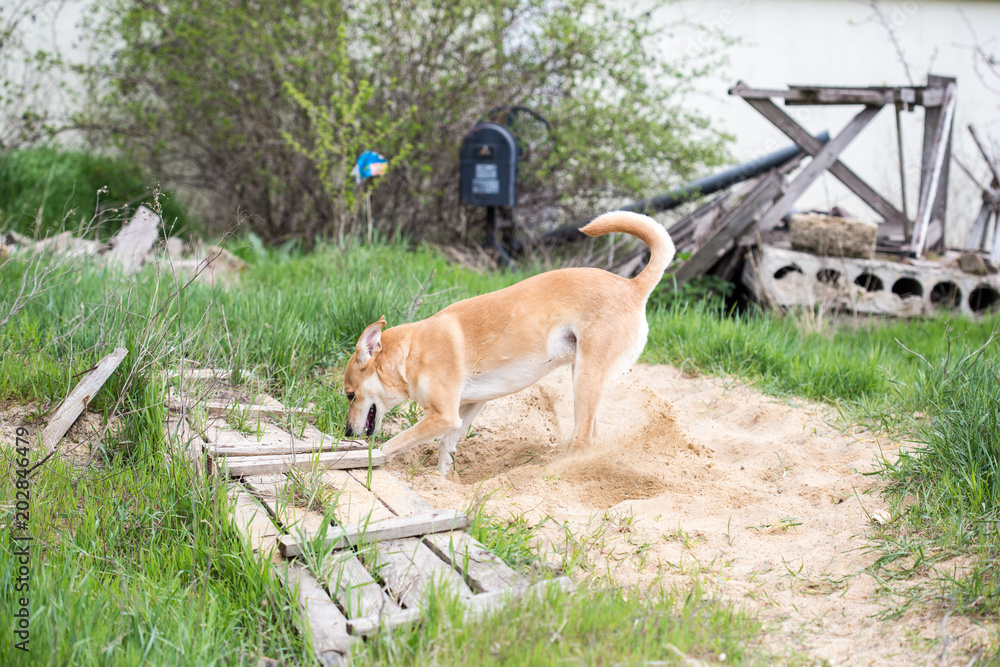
x=370, y=342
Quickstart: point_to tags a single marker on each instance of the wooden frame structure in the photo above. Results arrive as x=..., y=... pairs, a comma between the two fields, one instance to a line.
x=898, y=233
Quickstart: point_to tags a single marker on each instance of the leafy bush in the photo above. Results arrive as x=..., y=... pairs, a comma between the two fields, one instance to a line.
x=200, y=91
x=43, y=190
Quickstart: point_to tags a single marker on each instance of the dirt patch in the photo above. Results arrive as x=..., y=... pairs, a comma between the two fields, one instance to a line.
x=761, y=498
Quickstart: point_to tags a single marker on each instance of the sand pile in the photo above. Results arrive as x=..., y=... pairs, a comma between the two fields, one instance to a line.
x=702, y=477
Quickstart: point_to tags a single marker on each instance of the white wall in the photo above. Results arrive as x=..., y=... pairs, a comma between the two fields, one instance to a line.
x=840, y=42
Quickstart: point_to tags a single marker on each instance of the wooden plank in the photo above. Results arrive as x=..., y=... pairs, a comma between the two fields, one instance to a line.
x=487, y=602
x=931, y=181
x=78, y=399
x=238, y=466
x=840, y=171
x=371, y=624
x=355, y=503
x=994, y=169
x=386, y=529
x=483, y=570
x=273, y=440
x=801, y=95
x=410, y=569
x=734, y=224
x=995, y=253
x=253, y=523
x=977, y=235
x=394, y=494
x=252, y=412
x=134, y=241
x=185, y=442
x=354, y=588
x=327, y=626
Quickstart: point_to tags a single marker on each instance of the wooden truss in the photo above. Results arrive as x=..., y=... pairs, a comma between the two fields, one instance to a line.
x=898, y=233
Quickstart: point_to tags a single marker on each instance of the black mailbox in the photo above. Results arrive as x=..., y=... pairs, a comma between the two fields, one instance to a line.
x=489, y=166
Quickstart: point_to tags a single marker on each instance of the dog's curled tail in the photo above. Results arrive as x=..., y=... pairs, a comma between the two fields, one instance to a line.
x=647, y=230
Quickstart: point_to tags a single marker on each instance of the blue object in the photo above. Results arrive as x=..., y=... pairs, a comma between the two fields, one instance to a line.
x=369, y=164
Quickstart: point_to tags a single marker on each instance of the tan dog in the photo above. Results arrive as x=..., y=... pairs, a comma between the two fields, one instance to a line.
x=499, y=343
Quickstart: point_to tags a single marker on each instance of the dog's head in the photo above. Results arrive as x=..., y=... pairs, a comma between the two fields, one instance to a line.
x=367, y=397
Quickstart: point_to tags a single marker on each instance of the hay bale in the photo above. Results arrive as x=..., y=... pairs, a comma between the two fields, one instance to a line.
x=830, y=236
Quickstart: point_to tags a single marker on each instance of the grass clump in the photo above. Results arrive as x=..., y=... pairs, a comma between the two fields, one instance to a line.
x=593, y=625
x=945, y=490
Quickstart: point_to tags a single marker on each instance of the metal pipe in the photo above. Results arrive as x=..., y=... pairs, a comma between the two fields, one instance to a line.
x=701, y=187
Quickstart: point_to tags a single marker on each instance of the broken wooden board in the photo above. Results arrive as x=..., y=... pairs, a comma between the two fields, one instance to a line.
x=239, y=466
x=134, y=241
x=77, y=400
x=386, y=529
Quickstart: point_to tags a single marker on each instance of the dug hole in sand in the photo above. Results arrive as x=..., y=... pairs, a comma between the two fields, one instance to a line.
x=761, y=498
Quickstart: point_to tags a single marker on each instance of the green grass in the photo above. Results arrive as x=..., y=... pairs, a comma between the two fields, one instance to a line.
x=595, y=625
x=45, y=190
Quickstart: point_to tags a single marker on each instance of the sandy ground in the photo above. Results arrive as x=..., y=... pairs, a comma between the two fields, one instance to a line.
x=761, y=498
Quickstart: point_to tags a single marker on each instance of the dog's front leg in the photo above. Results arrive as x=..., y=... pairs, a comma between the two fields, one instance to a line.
x=449, y=442
x=433, y=425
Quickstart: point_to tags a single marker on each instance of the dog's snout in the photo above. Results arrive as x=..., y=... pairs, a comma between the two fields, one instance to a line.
x=348, y=431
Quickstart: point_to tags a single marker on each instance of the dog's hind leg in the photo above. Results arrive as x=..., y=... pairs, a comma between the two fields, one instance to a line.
x=449, y=441
x=597, y=363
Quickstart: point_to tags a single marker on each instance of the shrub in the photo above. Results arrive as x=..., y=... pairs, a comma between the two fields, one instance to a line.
x=200, y=91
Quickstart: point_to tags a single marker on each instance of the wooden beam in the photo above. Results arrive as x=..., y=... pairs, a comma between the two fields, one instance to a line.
x=977, y=235
x=239, y=466
x=381, y=622
x=986, y=156
x=840, y=171
x=387, y=529
x=734, y=224
x=822, y=161
x=826, y=95
x=78, y=399
x=354, y=587
x=934, y=156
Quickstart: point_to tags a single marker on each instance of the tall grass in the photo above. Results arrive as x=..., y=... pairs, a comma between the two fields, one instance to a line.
x=44, y=190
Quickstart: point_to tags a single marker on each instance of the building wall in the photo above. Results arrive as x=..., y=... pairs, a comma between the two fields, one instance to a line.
x=841, y=42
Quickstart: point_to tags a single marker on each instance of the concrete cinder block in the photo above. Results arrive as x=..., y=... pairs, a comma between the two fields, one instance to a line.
x=789, y=278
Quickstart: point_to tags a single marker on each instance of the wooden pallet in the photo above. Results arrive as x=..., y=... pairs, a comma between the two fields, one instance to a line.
x=359, y=550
